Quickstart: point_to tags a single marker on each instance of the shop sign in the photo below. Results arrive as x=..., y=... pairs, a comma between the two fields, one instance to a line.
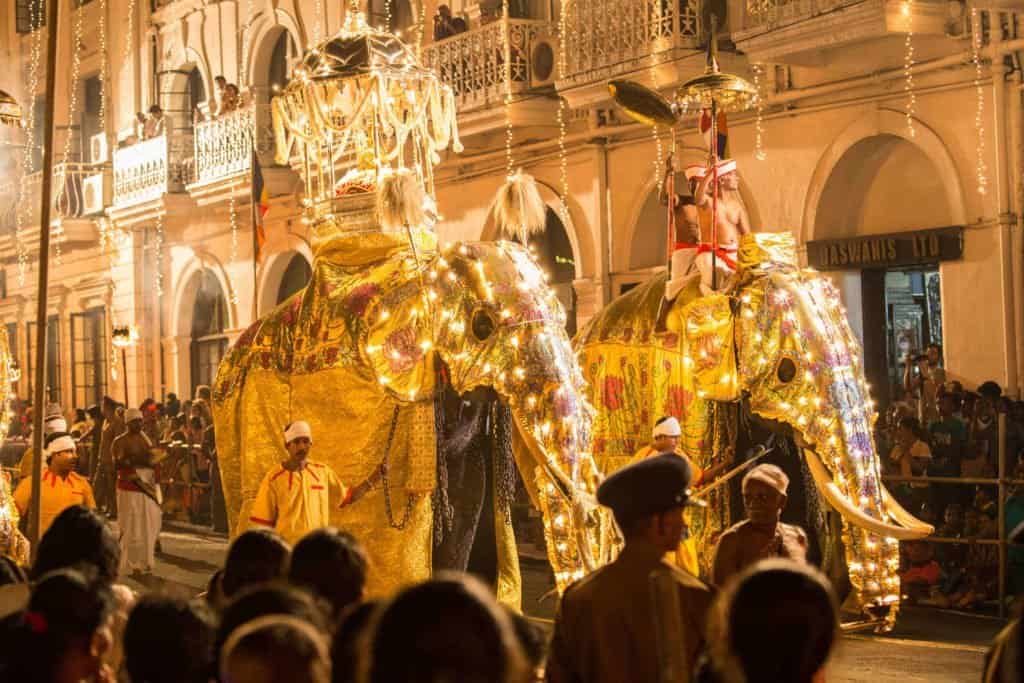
x=884, y=251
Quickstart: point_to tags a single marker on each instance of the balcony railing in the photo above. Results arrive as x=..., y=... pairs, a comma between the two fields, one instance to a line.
x=223, y=146
x=147, y=170
x=69, y=199
x=762, y=13
x=604, y=37
x=473, y=63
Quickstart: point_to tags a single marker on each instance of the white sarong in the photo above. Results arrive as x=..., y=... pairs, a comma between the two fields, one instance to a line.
x=139, y=517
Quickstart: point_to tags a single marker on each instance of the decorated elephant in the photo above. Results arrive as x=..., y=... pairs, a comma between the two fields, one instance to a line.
x=420, y=358
x=13, y=543
x=775, y=345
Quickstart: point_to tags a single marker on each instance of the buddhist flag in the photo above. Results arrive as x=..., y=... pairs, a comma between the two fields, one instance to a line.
x=723, y=131
x=261, y=205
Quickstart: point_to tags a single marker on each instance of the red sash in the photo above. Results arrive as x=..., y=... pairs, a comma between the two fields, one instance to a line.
x=726, y=254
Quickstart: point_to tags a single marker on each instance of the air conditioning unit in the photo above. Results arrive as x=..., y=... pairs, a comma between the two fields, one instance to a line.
x=543, y=60
x=98, y=152
x=94, y=194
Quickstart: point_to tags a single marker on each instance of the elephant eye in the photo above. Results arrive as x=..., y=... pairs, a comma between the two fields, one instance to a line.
x=483, y=324
x=786, y=370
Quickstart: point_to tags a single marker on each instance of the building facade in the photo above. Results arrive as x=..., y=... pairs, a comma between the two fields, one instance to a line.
x=880, y=121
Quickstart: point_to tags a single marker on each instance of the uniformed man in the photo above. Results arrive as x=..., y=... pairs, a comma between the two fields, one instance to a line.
x=762, y=534
x=104, y=477
x=62, y=487
x=605, y=630
x=138, y=495
x=53, y=423
x=294, y=497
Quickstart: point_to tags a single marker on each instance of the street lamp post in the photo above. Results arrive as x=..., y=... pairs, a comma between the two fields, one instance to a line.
x=123, y=337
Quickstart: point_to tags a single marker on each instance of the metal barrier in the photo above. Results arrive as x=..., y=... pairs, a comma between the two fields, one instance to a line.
x=1001, y=482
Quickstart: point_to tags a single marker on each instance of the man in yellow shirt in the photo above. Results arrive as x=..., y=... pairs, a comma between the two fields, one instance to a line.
x=53, y=423
x=665, y=439
x=293, y=498
x=62, y=486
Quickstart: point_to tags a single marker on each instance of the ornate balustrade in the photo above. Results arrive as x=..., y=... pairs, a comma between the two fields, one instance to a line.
x=605, y=38
x=473, y=62
x=223, y=146
x=69, y=200
x=762, y=13
x=148, y=170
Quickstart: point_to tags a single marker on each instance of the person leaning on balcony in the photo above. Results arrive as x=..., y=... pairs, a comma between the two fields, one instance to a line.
x=156, y=124
x=443, y=26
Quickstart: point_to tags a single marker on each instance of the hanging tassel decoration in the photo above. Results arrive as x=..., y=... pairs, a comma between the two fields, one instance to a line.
x=518, y=208
x=400, y=201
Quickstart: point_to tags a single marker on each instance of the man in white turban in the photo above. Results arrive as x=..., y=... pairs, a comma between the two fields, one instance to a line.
x=138, y=495
x=294, y=497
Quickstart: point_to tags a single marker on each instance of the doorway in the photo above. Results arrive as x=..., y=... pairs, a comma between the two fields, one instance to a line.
x=906, y=304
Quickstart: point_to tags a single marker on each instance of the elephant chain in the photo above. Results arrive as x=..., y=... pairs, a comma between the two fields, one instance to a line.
x=386, y=482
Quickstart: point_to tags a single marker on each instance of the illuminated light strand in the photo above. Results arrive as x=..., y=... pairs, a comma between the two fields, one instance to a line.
x=158, y=256
x=981, y=168
x=246, y=36
x=563, y=157
x=318, y=10
x=76, y=65
x=234, y=237
x=387, y=15
x=659, y=150
x=101, y=30
x=759, y=152
x=507, y=46
x=24, y=209
x=908, y=67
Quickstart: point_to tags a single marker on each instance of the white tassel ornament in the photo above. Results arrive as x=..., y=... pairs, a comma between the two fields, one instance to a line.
x=519, y=210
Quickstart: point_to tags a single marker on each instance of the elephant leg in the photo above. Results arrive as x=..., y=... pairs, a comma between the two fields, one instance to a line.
x=483, y=557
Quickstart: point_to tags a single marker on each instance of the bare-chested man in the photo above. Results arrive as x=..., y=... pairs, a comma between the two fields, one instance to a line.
x=693, y=221
x=138, y=495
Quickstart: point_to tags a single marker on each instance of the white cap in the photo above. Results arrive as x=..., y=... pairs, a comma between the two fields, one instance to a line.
x=695, y=171
x=726, y=166
x=61, y=443
x=55, y=424
x=770, y=475
x=297, y=430
x=132, y=414
x=669, y=426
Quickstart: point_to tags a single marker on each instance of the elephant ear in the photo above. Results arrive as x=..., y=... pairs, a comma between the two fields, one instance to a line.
x=398, y=344
x=709, y=347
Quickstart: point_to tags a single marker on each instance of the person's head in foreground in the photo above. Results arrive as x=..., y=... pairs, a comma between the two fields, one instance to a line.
x=775, y=623
x=79, y=536
x=332, y=565
x=648, y=499
x=260, y=601
x=168, y=640
x=764, y=494
x=276, y=648
x=447, y=629
x=256, y=556
x=64, y=633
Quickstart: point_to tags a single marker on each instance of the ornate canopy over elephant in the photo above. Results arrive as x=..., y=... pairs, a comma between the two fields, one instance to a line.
x=395, y=344
x=13, y=543
x=777, y=340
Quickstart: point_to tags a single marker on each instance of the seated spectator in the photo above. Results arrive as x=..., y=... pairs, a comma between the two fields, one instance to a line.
x=977, y=524
x=913, y=456
x=952, y=521
x=475, y=645
x=777, y=623
x=64, y=634
x=255, y=557
x=260, y=601
x=347, y=637
x=921, y=572
x=169, y=641
x=332, y=565
x=77, y=537
x=276, y=648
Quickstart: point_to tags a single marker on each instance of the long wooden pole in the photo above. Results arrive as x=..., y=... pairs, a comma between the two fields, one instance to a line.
x=53, y=30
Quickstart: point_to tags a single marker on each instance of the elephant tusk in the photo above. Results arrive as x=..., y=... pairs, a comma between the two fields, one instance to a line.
x=902, y=517
x=831, y=493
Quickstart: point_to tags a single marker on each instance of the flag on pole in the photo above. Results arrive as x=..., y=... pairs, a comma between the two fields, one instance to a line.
x=723, y=131
x=261, y=205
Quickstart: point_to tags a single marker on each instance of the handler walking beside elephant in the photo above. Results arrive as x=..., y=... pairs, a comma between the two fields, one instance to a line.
x=293, y=498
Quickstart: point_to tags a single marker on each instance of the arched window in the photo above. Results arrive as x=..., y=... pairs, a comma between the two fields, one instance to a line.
x=554, y=254
x=296, y=276
x=282, y=58
x=196, y=89
x=209, y=319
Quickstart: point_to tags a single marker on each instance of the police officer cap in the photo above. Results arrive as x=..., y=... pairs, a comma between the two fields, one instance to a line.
x=648, y=487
